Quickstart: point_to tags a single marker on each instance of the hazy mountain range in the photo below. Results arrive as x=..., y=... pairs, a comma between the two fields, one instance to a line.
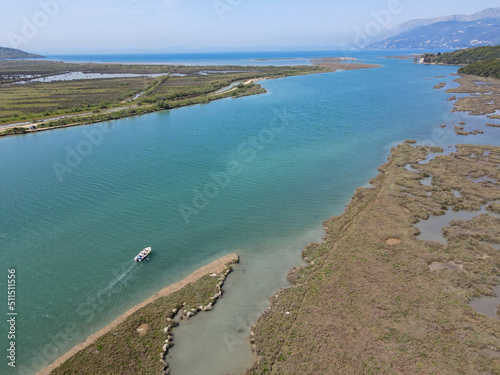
x=449, y=32
x=457, y=31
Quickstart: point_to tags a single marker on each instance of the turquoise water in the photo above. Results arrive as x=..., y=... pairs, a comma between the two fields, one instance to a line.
x=70, y=225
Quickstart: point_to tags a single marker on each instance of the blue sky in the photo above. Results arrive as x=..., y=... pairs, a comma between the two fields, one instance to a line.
x=80, y=26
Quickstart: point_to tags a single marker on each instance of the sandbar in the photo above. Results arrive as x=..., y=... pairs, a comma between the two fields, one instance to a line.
x=215, y=267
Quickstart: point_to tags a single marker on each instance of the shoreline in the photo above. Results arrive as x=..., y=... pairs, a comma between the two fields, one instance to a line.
x=381, y=286
x=135, y=110
x=378, y=284
x=216, y=266
x=146, y=110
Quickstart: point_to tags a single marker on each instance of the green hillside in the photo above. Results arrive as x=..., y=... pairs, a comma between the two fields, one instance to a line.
x=12, y=53
x=487, y=68
x=479, y=61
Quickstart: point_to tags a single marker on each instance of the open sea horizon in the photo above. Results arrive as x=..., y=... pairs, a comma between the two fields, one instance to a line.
x=225, y=58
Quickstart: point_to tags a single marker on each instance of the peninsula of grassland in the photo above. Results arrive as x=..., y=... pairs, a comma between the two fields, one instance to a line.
x=138, y=341
x=40, y=102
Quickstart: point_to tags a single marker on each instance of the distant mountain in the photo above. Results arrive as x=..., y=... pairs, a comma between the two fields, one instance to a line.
x=11, y=53
x=458, y=31
x=413, y=24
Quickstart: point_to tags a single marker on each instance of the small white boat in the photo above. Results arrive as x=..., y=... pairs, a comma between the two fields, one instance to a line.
x=143, y=254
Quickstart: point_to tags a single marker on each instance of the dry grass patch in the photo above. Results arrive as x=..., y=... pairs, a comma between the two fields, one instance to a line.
x=451, y=266
x=143, y=329
x=393, y=241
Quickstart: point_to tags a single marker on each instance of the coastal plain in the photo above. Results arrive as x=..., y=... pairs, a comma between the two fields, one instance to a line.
x=41, y=95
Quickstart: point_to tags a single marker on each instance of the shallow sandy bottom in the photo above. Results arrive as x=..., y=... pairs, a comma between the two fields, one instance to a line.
x=219, y=342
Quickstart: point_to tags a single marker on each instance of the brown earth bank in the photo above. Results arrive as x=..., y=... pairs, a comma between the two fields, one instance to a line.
x=137, y=341
x=374, y=299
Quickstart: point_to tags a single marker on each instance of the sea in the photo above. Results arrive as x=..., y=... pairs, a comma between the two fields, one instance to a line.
x=255, y=176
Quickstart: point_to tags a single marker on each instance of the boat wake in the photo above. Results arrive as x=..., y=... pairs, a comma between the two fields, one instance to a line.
x=122, y=278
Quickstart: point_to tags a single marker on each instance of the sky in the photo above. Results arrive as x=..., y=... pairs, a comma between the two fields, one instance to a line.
x=126, y=26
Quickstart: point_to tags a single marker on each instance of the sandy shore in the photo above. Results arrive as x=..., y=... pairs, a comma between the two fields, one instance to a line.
x=255, y=80
x=214, y=267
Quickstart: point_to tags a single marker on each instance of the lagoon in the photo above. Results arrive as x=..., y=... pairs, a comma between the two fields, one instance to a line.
x=71, y=237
